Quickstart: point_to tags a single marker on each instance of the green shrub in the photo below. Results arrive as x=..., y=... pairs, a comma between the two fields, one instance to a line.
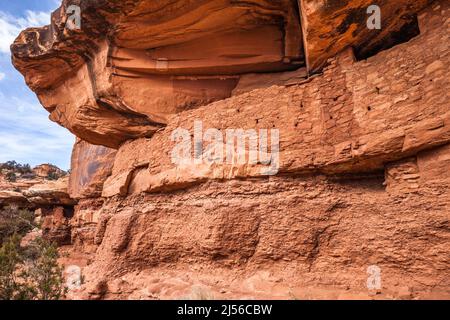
x=10, y=288
x=16, y=167
x=31, y=272
x=52, y=175
x=44, y=272
x=15, y=221
x=11, y=177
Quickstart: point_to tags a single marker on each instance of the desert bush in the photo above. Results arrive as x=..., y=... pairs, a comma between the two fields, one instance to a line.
x=24, y=168
x=15, y=221
x=9, y=165
x=16, y=167
x=43, y=272
x=11, y=177
x=10, y=287
x=52, y=175
x=31, y=272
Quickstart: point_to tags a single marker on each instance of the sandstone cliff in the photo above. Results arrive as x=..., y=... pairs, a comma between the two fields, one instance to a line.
x=361, y=178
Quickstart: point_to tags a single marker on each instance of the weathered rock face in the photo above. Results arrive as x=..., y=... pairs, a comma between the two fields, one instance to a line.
x=361, y=175
x=329, y=26
x=91, y=165
x=11, y=197
x=48, y=170
x=50, y=193
x=134, y=64
x=304, y=232
x=151, y=59
x=55, y=224
x=352, y=119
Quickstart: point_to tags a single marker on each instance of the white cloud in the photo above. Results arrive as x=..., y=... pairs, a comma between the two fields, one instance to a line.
x=35, y=18
x=11, y=26
x=28, y=136
x=2, y=76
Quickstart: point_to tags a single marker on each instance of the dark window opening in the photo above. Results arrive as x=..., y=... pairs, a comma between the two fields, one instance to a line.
x=407, y=32
x=68, y=212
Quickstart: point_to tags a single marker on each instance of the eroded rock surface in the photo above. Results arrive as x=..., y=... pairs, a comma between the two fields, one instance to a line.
x=146, y=60
x=134, y=64
x=362, y=175
x=91, y=166
x=330, y=26
x=303, y=231
x=352, y=119
x=48, y=170
x=50, y=193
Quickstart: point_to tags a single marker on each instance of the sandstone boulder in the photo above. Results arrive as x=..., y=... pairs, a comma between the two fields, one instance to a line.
x=35, y=189
x=10, y=197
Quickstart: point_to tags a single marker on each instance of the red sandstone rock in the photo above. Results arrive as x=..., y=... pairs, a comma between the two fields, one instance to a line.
x=50, y=200
x=362, y=177
x=202, y=45
x=36, y=190
x=55, y=225
x=351, y=119
x=49, y=193
x=48, y=170
x=146, y=64
x=331, y=26
x=318, y=228
x=90, y=167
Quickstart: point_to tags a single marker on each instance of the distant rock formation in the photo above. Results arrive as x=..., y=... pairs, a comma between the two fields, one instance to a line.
x=35, y=190
x=49, y=171
x=44, y=190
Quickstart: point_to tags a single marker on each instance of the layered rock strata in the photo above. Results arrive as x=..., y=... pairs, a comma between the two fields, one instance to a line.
x=360, y=180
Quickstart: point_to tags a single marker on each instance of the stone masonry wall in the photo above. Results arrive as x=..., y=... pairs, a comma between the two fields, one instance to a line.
x=355, y=117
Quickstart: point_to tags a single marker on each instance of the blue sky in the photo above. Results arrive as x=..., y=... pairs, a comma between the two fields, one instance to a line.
x=26, y=133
